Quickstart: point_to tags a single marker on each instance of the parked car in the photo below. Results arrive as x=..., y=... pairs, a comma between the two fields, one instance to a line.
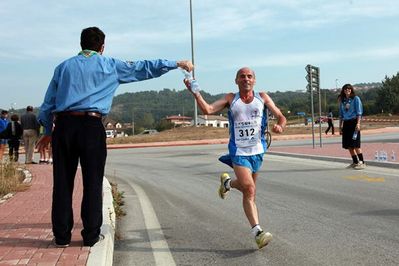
x=110, y=133
x=149, y=132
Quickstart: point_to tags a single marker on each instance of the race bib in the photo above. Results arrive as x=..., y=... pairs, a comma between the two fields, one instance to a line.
x=246, y=133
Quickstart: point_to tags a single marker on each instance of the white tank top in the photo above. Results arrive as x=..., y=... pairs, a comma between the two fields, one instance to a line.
x=247, y=126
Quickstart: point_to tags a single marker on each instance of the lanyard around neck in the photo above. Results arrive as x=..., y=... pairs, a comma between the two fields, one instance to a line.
x=87, y=53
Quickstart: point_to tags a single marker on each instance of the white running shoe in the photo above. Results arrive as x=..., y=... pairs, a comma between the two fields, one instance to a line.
x=222, y=189
x=360, y=166
x=263, y=238
x=352, y=165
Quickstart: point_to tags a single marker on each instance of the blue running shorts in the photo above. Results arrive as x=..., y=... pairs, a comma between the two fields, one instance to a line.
x=252, y=162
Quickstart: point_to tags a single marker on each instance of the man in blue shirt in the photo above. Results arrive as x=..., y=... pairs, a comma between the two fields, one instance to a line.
x=79, y=95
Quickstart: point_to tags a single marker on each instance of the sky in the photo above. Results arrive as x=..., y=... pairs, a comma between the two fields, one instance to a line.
x=351, y=41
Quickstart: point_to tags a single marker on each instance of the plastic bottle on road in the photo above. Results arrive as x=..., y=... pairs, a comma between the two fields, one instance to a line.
x=376, y=156
x=354, y=137
x=193, y=82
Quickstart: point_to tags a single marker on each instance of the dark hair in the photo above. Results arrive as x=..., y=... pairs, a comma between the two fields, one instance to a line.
x=4, y=112
x=14, y=118
x=92, y=39
x=29, y=108
x=342, y=95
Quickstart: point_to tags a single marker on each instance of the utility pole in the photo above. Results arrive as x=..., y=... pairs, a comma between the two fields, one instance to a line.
x=313, y=78
x=192, y=59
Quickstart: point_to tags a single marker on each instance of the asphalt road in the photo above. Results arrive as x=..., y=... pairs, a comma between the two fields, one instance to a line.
x=318, y=212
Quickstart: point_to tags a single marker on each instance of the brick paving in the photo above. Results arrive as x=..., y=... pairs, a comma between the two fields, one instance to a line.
x=25, y=225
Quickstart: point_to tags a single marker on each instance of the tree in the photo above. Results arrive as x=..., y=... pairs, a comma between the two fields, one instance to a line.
x=388, y=95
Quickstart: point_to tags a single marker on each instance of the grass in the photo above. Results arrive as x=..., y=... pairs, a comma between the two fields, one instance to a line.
x=10, y=178
x=118, y=201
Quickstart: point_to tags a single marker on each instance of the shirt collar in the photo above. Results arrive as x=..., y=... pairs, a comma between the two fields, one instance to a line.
x=87, y=53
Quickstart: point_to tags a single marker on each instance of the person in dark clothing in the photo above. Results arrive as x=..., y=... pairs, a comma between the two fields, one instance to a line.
x=14, y=132
x=78, y=96
x=350, y=115
x=30, y=128
x=330, y=121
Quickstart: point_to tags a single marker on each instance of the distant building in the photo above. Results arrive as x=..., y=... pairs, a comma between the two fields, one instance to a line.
x=213, y=121
x=113, y=128
x=179, y=120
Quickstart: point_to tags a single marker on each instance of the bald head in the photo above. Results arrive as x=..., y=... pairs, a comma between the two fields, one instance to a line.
x=244, y=69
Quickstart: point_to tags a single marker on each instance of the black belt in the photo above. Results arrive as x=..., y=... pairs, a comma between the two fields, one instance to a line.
x=78, y=113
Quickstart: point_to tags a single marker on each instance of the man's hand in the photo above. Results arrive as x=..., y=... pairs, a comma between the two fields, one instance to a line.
x=185, y=64
x=43, y=142
x=277, y=128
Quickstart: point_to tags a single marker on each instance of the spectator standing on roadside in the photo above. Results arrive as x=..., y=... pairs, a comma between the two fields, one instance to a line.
x=30, y=128
x=3, y=126
x=14, y=134
x=247, y=143
x=79, y=95
x=330, y=121
x=350, y=114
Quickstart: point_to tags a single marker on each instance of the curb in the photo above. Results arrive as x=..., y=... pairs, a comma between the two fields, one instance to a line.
x=101, y=254
x=334, y=159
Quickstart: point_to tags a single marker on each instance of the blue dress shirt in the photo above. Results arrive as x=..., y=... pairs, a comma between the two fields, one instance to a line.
x=88, y=83
x=350, y=108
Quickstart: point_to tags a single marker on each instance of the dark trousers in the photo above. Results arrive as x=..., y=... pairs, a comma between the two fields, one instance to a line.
x=330, y=125
x=78, y=138
x=13, y=150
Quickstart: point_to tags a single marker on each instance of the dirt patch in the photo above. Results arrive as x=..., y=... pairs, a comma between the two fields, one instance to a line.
x=202, y=133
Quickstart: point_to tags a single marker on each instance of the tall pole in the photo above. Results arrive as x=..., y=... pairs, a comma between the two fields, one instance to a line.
x=192, y=59
x=133, y=122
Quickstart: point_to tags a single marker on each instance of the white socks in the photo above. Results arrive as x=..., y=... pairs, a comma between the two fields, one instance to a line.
x=227, y=184
x=256, y=229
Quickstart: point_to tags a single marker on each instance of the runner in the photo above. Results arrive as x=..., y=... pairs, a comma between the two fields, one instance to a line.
x=247, y=143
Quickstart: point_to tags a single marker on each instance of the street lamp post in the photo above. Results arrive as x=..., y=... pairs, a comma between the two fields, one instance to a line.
x=192, y=58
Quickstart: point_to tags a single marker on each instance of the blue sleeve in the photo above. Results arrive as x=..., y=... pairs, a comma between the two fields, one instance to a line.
x=341, y=113
x=358, y=106
x=45, y=115
x=142, y=70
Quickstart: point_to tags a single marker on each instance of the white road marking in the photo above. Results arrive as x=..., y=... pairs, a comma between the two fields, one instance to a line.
x=160, y=248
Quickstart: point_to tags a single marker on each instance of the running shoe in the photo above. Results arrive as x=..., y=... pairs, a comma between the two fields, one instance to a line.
x=263, y=238
x=222, y=189
x=360, y=166
x=352, y=165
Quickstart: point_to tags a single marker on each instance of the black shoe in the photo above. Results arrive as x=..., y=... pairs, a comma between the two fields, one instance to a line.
x=55, y=244
x=92, y=243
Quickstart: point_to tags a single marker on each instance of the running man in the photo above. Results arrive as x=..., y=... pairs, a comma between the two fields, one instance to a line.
x=247, y=145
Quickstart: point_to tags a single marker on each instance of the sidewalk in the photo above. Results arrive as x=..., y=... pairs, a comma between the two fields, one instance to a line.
x=25, y=226
x=25, y=218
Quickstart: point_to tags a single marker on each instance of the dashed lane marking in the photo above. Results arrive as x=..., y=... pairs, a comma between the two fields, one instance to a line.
x=365, y=178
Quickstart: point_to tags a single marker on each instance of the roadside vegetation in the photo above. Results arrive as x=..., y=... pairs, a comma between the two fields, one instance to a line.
x=10, y=178
x=118, y=201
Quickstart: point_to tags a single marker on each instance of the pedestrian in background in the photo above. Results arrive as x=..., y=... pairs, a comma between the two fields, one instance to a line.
x=14, y=132
x=79, y=95
x=330, y=121
x=30, y=128
x=3, y=126
x=350, y=114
